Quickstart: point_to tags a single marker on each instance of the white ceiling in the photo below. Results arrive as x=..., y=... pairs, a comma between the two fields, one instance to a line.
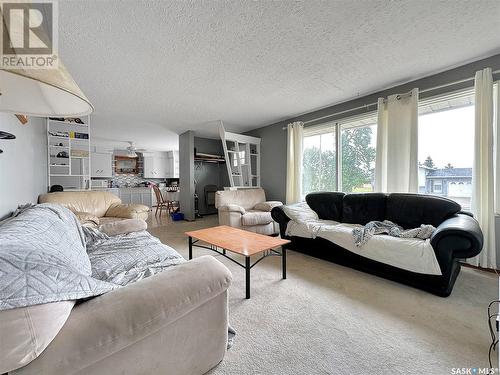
x=156, y=67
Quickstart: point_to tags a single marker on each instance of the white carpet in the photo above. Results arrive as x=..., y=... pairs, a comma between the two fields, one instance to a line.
x=328, y=319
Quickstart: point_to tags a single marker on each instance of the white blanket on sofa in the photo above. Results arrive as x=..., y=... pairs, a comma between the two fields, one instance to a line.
x=411, y=254
x=43, y=258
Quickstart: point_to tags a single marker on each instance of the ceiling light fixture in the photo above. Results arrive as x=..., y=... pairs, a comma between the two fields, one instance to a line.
x=131, y=150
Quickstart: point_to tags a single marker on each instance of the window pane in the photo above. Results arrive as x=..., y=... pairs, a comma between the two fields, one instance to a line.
x=319, y=163
x=445, y=154
x=358, y=157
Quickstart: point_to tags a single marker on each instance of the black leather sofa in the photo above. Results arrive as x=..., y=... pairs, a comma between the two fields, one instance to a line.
x=457, y=234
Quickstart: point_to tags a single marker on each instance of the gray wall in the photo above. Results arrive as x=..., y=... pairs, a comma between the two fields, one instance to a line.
x=186, y=174
x=273, y=146
x=23, y=164
x=208, y=173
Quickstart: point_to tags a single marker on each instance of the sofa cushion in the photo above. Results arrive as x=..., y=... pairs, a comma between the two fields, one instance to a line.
x=412, y=210
x=267, y=206
x=128, y=211
x=110, y=219
x=231, y=208
x=27, y=331
x=124, y=226
x=328, y=205
x=93, y=202
x=300, y=212
x=363, y=208
x=246, y=198
x=411, y=254
x=256, y=218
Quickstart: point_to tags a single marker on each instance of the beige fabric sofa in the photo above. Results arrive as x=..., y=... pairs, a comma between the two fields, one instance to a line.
x=89, y=205
x=175, y=322
x=247, y=209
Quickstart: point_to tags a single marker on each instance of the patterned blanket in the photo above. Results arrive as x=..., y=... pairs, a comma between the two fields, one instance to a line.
x=43, y=258
x=362, y=235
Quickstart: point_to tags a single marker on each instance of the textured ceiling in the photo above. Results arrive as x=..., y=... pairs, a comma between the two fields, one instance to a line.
x=161, y=66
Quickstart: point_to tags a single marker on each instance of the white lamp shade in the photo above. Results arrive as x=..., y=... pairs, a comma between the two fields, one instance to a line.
x=43, y=93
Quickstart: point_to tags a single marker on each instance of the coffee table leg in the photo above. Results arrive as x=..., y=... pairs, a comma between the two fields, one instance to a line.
x=190, y=248
x=247, y=276
x=283, y=260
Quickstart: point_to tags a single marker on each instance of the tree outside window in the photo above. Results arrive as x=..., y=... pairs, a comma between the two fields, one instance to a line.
x=357, y=160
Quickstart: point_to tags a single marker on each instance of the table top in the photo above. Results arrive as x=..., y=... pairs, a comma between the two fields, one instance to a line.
x=237, y=240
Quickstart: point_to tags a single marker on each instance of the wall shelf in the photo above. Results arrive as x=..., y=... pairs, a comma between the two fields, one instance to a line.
x=207, y=160
x=242, y=154
x=61, y=136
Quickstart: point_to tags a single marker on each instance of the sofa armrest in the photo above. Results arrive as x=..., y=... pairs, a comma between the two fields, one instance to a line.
x=128, y=211
x=116, y=320
x=279, y=215
x=267, y=206
x=232, y=208
x=460, y=235
x=87, y=219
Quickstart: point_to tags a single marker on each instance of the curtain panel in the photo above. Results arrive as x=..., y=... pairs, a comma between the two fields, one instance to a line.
x=294, y=162
x=396, y=168
x=483, y=177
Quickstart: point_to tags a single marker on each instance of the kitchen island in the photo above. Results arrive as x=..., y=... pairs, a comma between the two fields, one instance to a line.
x=141, y=195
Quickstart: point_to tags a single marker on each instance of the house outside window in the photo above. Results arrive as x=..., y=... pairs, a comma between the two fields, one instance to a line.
x=446, y=146
x=437, y=186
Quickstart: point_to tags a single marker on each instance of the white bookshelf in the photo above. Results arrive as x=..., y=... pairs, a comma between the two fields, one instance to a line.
x=242, y=154
x=68, y=153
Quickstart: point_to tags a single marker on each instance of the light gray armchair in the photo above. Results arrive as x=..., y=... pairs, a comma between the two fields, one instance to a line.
x=247, y=209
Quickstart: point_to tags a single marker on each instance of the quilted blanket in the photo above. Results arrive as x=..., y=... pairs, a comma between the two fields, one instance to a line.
x=43, y=258
x=362, y=235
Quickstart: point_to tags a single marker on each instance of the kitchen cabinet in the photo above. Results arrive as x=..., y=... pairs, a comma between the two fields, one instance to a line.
x=157, y=165
x=173, y=164
x=101, y=164
x=136, y=196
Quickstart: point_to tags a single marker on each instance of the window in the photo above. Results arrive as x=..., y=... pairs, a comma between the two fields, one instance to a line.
x=446, y=146
x=356, y=137
x=357, y=143
x=319, y=160
x=437, y=187
x=341, y=155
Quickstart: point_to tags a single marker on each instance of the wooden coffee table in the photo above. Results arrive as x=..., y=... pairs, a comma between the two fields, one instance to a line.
x=241, y=242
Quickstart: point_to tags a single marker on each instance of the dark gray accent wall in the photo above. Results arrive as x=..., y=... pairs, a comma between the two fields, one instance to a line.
x=208, y=173
x=23, y=164
x=274, y=143
x=273, y=146
x=186, y=174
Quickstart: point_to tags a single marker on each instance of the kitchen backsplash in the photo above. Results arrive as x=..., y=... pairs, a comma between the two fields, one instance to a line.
x=133, y=180
x=126, y=180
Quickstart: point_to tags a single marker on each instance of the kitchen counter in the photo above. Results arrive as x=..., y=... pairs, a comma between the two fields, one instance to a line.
x=141, y=194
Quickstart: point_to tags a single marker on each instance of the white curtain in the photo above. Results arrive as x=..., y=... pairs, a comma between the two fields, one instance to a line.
x=483, y=179
x=294, y=163
x=496, y=145
x=396, y=168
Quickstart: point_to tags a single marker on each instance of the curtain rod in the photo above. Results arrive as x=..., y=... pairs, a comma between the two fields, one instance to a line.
x=372, y=104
